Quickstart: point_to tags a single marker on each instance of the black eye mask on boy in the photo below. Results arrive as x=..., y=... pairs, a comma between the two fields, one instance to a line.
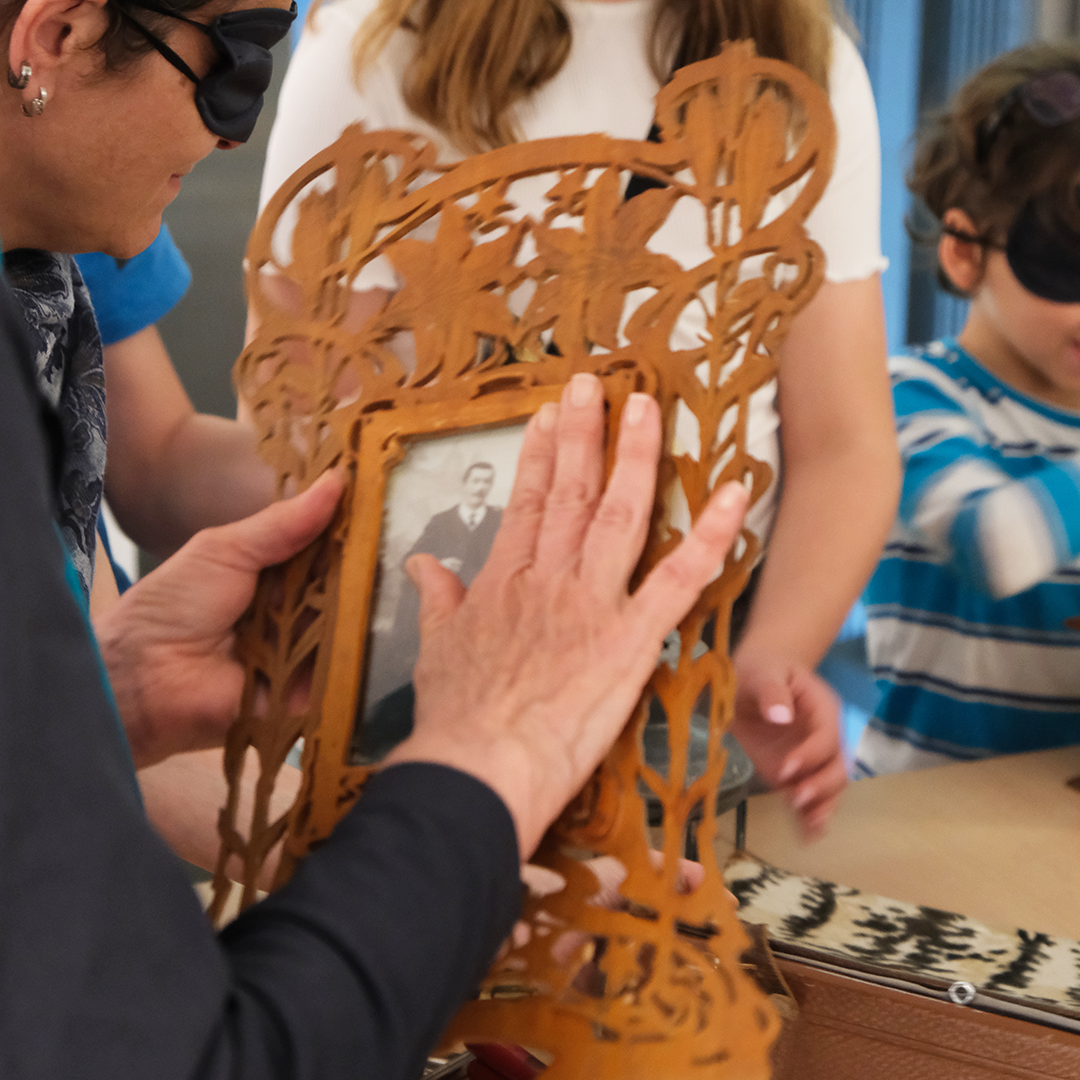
x=230, y=98
x=1044, y=254
x=1043, y=250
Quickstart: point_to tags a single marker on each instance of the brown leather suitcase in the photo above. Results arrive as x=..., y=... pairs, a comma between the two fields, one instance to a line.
x=851, y=1028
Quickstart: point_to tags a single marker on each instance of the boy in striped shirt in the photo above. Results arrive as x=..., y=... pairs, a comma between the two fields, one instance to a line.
x=974, y=611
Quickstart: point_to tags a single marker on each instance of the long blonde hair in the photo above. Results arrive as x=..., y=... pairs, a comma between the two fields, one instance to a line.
x=475, y=59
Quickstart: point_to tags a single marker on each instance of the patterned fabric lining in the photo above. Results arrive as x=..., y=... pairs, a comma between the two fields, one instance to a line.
x=893, y=937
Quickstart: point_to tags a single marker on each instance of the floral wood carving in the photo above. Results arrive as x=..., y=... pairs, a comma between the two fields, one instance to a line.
x=504, y=302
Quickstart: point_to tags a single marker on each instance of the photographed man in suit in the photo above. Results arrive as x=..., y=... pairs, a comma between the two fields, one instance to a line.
x=460, y=538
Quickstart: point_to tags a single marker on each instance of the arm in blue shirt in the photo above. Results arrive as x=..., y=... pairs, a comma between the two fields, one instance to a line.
x=1002, y=521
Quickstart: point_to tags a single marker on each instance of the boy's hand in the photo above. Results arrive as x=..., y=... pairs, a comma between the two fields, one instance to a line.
x=787, y=720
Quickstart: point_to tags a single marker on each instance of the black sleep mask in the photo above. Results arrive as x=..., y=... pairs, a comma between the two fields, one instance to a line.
x=1044, y=254
x=230, y=97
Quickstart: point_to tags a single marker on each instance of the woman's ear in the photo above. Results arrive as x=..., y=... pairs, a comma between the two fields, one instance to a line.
x=961, y=261
x=51, y=35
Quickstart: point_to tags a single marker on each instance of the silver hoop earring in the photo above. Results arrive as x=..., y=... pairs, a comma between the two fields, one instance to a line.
x=22, y=80
x=37, y=106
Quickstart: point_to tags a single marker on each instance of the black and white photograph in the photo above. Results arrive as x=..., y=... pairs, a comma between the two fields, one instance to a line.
x=446, y=499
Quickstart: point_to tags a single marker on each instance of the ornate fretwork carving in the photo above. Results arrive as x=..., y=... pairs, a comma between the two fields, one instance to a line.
x=501, y=307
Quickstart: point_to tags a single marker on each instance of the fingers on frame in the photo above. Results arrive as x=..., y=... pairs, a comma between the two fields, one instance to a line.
x=579, y=472
x=516, y=539
x=671, y=588
x=619, y=527
x=275, y=533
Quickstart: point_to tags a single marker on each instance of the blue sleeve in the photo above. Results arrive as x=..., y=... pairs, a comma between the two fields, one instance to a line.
x=131, y=294
x=1003, y=523
x=123, y=582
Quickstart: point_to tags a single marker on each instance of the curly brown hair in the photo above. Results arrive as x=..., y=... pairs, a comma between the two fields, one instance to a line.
x=1026, y=161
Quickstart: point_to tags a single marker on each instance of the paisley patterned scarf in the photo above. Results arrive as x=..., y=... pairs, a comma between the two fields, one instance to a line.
x=71, y=378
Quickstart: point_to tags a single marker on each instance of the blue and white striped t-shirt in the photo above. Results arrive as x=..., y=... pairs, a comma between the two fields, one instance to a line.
x=971, y=610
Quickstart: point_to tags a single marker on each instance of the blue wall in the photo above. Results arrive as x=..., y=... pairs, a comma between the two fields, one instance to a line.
x=890, y=38
x=917, y=52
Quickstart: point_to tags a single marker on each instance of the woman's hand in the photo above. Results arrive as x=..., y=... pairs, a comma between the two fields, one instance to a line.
x=841, y=482
x=787, y=720
x=526, y=680
x=168, y=642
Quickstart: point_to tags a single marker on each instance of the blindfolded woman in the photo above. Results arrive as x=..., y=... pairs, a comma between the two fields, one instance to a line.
x=353, y=968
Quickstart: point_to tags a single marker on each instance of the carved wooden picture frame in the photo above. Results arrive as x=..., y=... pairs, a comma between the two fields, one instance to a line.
x=503, y=308
x=383, y=441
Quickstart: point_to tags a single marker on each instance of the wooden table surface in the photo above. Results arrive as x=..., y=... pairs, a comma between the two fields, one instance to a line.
x=997, y=840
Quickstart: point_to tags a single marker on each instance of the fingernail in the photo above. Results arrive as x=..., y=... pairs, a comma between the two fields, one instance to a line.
x=546, y=417
x=731, y=495
x=801, y=798
x=779, y=714
x=788, y=771
x=635, y=409
x=582, y=389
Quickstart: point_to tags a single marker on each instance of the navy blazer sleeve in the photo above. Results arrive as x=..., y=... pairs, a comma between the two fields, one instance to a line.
x=107, y=965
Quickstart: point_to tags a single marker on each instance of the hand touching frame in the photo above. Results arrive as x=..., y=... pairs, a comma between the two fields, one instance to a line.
x=497, y=303
x=543, y=659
